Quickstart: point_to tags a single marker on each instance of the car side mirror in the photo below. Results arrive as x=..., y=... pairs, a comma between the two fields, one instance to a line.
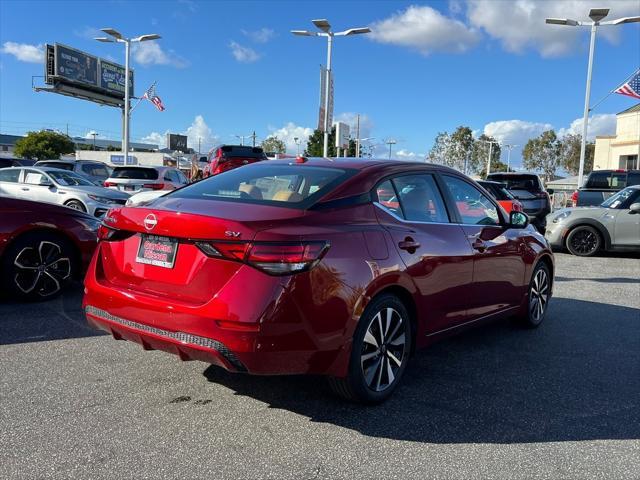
x=634, y=208
x=518, y=220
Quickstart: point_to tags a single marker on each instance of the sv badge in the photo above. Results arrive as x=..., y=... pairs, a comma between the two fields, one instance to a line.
x=229, y=233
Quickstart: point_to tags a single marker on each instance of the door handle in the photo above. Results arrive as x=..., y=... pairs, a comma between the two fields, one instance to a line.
x=479, y=245
x=409, y=244
x=25, y=189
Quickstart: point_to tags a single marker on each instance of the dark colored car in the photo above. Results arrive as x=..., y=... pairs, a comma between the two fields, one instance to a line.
x=96, y=172
x=15, y=162
x=42, y=247
x=502, y=195
x=228, y=157
x=601, y=184
x=529, y=191
x=334, y=267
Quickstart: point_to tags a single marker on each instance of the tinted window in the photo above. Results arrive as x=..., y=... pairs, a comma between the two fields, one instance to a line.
x=96, y=170
x=530, y=183
x=135, y=173
x=4, y=163
x=386, y=195
x=240, y=151
x=473, y=206
x=598, y=180
x=633, y=179
x=498, y=191
x=279, y=185
x=62, y=165
x=9, y=175
x=420, y=199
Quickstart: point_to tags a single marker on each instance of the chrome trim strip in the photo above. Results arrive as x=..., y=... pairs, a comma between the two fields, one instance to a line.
x=182, y=337
x=484, y=317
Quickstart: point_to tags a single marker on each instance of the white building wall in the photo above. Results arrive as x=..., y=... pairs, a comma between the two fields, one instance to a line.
x=142, y=158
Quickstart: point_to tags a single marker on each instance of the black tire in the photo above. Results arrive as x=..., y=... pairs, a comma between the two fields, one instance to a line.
x=374, y=372
x=76, y=205
x=38, y=266
x=584, y=241
x=538, y=297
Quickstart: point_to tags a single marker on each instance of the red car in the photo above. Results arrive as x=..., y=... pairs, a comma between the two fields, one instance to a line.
x=42, y=247
x=228, y=157
x=313, y=267
x=501, y=194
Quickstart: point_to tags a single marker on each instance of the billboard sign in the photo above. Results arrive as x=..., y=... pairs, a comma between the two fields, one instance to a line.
x=323, y=96
x=342, y=135
x=177, y=142
x=119, y=160
x=112, y=78
x=75, y=66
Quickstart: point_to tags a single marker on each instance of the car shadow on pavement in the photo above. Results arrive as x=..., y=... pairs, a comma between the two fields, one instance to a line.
x=599, y=280
x=55, y=319
x=577, y=377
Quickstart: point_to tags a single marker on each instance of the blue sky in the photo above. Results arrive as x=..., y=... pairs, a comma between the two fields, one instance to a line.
x=227, y=68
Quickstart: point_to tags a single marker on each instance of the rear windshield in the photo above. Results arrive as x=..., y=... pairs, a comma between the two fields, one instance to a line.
x=62, y=165
x=230, y=151
x=95, y=170
x=529, y=183
x=607, y=180
x=277, y=185
x=498, y=191
x=135, y=173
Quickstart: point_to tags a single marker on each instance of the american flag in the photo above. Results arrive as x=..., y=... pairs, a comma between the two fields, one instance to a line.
x=150, y=95
x=631, y=87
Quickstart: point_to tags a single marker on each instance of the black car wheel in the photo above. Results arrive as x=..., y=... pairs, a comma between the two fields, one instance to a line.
x=584, y=241
x=380, y=352
x=38, y=266
x=538, y=297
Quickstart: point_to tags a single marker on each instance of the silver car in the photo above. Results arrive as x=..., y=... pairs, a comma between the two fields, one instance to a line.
x=584, y=231
x=134, y=179
x=53, y=185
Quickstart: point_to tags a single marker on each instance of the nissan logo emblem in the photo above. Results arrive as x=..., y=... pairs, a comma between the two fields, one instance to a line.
x=150, y=221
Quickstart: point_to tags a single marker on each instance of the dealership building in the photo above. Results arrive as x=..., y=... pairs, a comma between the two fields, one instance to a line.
x=622, y=150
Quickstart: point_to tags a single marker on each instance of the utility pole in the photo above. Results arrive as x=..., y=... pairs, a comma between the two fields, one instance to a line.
x=199, y=139
x=390, y=142
x=358, y=136
x=253, y=136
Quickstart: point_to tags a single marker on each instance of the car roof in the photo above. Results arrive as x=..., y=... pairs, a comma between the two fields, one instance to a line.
x=68, y=162
x=490, y=182
x=140, y=166
x=514, y=174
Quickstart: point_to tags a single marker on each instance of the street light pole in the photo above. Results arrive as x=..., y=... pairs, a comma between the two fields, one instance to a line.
x=325, y=31
x=491, y=143
x=390, y=142
x=509, y=148
x=116, y=37
x=596, y=15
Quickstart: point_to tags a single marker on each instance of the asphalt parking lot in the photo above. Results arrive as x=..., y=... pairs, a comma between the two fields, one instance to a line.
x=562, y=401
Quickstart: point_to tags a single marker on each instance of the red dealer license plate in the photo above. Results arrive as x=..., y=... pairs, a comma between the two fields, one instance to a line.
x=158, y=251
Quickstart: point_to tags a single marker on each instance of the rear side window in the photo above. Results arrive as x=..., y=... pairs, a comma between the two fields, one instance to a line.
x=9, y=175
x=135, y=173
x=420, y=199
x=473, y=206
x=529, y=183
x=633, y=179
x=277, y=185
x=95, y=170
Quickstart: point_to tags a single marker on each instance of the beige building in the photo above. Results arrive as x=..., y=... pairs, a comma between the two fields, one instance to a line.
x=622, y=149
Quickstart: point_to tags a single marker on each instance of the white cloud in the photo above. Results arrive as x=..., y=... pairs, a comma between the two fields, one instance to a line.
x=350, y=118
x=197, y=131
x=289, y=132
x=425, y=29
x=89, y=135
x=243, y=54
x=151, y=53
x=24, y=52
x=520, y=24
x=408, y=155
x=260, y=36
x=515, y=132
x=599, y=124
x=88, y=32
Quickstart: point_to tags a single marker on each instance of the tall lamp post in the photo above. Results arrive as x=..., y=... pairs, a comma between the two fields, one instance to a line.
x=491, y=144
x=596, y=15
x=509, y=148
x=116, y=37
x=325, y=31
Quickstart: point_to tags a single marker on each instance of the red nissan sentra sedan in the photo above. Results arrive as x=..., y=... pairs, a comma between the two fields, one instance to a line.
x=333, y=267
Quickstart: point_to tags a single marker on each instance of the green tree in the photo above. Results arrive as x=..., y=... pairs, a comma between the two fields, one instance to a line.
x=274, y=144
x=570, y=154
x=440, y=150
x=315, y=144
x=44, y=144
x=480, y=155
x=543, y=153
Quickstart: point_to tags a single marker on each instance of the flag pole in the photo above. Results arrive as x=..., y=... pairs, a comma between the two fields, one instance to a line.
x=612, y=91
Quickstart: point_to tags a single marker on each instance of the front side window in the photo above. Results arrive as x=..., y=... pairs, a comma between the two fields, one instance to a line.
x=472, y=205
x=420, y=199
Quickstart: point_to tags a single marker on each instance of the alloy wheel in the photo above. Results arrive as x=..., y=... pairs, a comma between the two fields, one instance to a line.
x=539, y=295
x=584, y=241
x=41, y=269
x=383, y=349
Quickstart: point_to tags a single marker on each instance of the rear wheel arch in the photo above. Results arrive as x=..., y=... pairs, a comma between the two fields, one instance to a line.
x=601, y=229
x=546, y=259
x=408, y=301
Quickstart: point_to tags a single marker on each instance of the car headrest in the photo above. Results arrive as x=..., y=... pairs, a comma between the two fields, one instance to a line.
x=251, y=190
x=287, y=196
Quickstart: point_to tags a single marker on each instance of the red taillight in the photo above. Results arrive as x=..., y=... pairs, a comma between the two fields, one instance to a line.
x=272, y=258
x=109, y=234
x=109, y=184
x=104, y=232
x=574, y=198
x=154, y=186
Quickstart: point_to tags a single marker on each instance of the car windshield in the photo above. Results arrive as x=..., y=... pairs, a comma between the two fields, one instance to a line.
x=135, y=173
x=277, y=185
x=69, y=179
x=616, y=200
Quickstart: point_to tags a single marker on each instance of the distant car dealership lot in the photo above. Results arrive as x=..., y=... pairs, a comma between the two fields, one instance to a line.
x=556, y=402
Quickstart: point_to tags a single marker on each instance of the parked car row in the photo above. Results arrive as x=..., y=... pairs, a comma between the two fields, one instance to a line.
x=601, y=184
